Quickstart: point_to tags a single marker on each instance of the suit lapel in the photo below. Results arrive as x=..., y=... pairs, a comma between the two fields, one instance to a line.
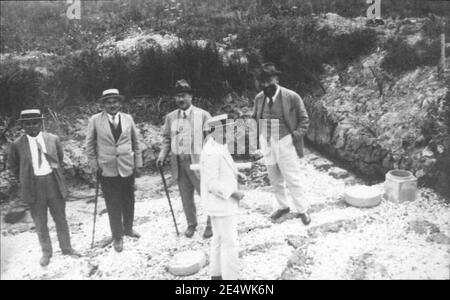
x=285, y=106
x=104, y=125
x=51, y=151
x=25, y=146
x=124, y=124
x=262, y=106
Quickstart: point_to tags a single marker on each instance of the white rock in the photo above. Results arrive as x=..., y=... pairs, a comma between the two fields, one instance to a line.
x=362, y=196
x=187, y=263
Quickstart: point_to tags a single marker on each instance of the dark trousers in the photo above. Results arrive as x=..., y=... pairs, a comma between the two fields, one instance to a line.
x=188, y=183
x=119, y=198
x=48, y=196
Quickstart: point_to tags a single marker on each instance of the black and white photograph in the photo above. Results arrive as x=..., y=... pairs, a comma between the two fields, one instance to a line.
x=249, y=142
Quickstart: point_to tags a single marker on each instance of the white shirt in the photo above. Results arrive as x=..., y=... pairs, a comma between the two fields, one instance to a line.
x=187, y=111
x=214, y=147
x=45, y=168
x=275, y=95
x=114, y=119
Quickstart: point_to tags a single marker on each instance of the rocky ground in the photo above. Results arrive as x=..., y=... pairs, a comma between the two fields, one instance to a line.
x=390, y=241
x=375, y=121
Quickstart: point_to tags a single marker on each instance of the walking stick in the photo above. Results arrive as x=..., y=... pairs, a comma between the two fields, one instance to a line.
x=95, y=208
x=168, y=198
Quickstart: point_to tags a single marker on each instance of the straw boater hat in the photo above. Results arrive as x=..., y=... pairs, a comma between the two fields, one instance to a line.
x=268, y=70
x=111, y=93
x=182, y=86
x=218, y=121
x=30, y=114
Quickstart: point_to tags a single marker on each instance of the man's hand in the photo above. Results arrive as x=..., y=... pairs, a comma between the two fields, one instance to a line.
x=160, y=162
x=137, y=172
x=241, y=175
x=95, y=169
x=237, y=195
x=258, y=154
x=296, y=136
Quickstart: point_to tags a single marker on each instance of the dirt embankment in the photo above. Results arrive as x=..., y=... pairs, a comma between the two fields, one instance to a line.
x=374, y=122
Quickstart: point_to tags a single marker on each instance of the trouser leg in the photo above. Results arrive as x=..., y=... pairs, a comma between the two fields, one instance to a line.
x=193, y=177
x=229, y=250
x=214, y=264
x=278, y=185
x=111, y=192
x=187, y=197
x=127, y=202
x=57, y=208
x=38, y=212
x=271, y=157
x=290, y=169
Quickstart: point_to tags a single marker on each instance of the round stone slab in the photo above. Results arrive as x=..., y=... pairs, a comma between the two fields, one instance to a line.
x=187, y=263
x=362, y=196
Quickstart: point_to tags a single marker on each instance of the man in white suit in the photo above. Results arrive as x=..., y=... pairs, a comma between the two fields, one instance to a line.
x=282, y=143
x=220, y=196
x=183, y=137
x=112, y=144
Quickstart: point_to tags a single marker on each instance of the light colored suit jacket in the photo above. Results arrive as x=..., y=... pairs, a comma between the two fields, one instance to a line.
x=171, y=138
x=294, y=112
x=113, y=158
x=218, y=180
x=21, y=165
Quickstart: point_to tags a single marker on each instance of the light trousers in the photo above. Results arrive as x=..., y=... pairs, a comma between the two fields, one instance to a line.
x=283, y=167
x=224, y=256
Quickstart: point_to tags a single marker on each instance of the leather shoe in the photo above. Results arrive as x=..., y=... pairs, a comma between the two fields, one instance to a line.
x=279, y=213
x=72, y=252
x=45, y=260
x=306, y=219
x=118, y=245
x=189, y=231
x=207, y=233
x=133, y=234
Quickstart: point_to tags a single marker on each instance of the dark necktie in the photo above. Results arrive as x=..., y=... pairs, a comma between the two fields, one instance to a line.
x=40, y=153
x=184, y=115
x=270, y=102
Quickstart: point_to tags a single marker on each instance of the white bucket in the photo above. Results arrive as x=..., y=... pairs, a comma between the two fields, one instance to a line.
x=400, y=186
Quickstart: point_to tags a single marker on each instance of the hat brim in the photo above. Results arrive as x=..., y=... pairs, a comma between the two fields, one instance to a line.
x=265, y=75
x=208, y=128
x=187, y=91
x=120, y=97
x=31, y=118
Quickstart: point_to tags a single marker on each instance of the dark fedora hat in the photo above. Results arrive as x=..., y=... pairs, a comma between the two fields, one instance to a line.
x=267, y=70
x=182, y=86
x=111, y=93
x=30, y=114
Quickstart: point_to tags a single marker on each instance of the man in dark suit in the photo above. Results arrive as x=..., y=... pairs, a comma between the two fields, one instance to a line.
x=36, y=158
x=183, y=137
x=286, y=119
x=112, y=144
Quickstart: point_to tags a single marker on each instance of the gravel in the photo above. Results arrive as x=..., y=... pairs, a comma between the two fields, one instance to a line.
x=390, y=241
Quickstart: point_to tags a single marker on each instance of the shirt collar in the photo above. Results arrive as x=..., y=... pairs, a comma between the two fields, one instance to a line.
x=187, y=111
x=111, y=117
x=217, y=145
x=38, y=137
x=276, y=92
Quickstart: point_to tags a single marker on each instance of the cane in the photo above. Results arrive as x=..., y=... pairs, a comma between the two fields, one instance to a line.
x=168, y=198
x=95, y=208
